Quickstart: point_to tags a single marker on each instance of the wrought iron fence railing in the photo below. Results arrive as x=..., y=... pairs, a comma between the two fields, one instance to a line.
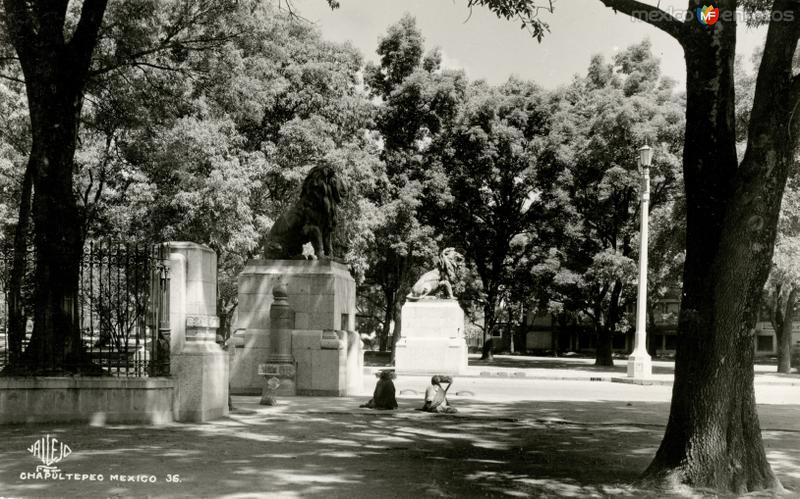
x=123, y=307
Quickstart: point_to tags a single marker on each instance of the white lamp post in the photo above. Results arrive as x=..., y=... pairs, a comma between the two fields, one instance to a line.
x=639, y=365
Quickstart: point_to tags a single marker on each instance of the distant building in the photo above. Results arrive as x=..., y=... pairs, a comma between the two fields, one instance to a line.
x=543, y=334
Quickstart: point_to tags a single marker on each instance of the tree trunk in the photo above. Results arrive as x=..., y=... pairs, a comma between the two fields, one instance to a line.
x=56, y=71
x=398, y=326
x=713, y=438
x=16, y=313
x=488, y=326
x=605, y=333
x=603, y=355
x=784, y=334
x=652, y=347
x=55, y=345
x=388, y=312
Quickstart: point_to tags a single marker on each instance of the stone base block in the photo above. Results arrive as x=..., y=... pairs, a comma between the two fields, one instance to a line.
x=433, y=338
x=280, y=374
x=639, y=366
x=431, y=356
x=201, y=382
x=433, y=318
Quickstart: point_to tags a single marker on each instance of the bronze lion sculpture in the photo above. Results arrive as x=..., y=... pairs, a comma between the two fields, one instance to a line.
x=311, y=219
x=446, y=273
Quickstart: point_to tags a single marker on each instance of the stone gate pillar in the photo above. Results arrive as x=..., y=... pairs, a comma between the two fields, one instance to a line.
x=197, y=363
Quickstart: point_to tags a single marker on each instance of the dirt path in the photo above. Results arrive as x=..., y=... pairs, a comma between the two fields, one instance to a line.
x=323, y=447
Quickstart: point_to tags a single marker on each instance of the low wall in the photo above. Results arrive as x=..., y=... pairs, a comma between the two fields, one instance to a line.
x=96, y=401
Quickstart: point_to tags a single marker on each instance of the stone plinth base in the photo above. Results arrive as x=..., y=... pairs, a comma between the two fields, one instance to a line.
x=329, y=363
x=282, y=373
x=432, y=338
x=639, y=366
x=201, y=382
x=322, y=297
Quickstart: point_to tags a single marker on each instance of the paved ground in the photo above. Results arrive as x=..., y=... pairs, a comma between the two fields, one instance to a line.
x=513, y=436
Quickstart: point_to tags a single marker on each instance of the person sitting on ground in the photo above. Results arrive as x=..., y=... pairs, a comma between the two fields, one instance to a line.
x=383, y=396
x=436, y=396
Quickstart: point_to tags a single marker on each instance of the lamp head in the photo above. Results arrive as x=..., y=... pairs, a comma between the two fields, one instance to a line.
x=645, y=156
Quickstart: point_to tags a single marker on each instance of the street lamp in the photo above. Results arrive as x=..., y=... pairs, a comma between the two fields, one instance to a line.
x=639, y=365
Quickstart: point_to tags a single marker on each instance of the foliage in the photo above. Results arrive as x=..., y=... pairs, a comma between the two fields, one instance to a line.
x=489, y=158
x=591, y=184
x=417, y=100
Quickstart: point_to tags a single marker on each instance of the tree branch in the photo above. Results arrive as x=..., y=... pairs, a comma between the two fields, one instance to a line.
x=19, y=24
x=777, y=90
x=652, y=15
x=12, y=78
x=85, y=37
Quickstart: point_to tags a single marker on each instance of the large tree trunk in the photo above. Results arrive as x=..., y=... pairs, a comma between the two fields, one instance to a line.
x=55, y=344
x=784, y=333
x=713, y=438
x=56, y=71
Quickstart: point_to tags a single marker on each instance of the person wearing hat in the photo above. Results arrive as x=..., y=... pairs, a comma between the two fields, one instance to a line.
x=383, y=396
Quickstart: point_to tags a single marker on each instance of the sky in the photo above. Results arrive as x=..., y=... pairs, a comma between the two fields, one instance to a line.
x=494, y=49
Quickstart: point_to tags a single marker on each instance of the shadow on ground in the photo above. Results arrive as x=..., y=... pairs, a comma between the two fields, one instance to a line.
x=323, y=447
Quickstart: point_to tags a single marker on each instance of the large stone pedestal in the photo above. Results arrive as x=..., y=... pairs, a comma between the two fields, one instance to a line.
x=433, y=340
x=198, y=365
x=322, y=296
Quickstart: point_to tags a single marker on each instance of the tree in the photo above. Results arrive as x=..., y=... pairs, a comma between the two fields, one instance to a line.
x=713, y=438
x=56, y=69
x=782, y=289
x=591, y=182
x=489, y=158
x=55, y=45
x=418, y=100
x=215, y=156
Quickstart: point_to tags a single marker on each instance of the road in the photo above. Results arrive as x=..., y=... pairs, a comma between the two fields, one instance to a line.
x=527, y=389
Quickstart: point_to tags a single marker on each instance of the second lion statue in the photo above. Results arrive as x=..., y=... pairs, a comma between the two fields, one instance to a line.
x=446, y=273
x=311, y=219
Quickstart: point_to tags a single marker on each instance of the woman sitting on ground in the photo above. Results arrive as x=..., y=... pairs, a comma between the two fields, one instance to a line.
x=383, y=396
x=436, y=396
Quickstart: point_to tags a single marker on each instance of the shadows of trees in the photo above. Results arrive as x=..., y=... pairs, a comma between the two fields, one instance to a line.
x=330, y=448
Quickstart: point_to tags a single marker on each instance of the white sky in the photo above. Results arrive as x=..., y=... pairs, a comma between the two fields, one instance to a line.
x=493, y=49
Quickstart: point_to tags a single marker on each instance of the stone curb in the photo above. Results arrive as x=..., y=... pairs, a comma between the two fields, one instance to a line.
x=600, y=377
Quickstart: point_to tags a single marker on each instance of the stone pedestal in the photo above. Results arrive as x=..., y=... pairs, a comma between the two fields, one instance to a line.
x=640, y=365
x=198, y=364
x=322, y=296
x=432, y=340
x=279, y=371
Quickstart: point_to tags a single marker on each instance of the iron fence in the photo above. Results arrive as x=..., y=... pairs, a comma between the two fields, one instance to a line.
x=123, y=307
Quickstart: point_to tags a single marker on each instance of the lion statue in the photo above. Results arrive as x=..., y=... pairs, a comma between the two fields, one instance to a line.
x=311, y=219
x=447, y=273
